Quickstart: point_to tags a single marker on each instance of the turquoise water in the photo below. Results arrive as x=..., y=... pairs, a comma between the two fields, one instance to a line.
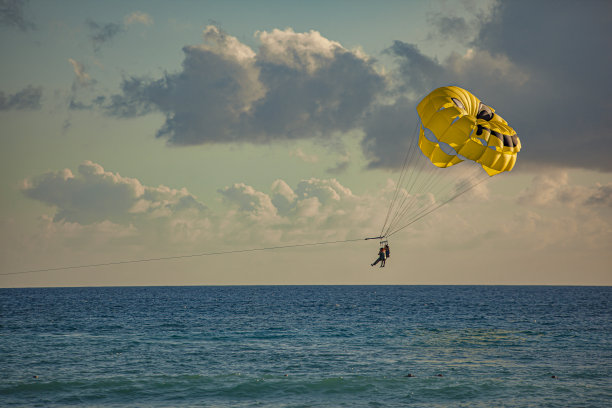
x=307, y=346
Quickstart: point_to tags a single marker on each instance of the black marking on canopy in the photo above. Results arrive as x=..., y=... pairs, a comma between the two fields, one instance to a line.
x=485, y=112
x=509, y=140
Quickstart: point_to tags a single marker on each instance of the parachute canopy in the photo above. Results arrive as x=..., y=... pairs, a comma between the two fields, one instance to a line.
x=457, y=119
x=455, y=127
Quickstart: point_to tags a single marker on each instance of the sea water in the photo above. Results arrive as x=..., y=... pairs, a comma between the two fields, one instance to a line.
x=307, y=346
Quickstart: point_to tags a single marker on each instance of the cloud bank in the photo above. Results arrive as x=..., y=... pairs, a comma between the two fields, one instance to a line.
x=297, y=85
x=554, y=188
x=95, y=195
x=96, y=208
x=96, y=198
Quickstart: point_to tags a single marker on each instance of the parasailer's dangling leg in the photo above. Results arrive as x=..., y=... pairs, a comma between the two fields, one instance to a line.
x=381, y=258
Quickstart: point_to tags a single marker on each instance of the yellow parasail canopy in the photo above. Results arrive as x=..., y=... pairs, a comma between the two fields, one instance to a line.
x=473, y=130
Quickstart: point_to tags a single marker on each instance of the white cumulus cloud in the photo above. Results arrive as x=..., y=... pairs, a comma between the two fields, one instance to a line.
x=555, y=188
x=96, y=195
x=307, y=158
x=296, y=85
x=138, y=17
x=308, y=51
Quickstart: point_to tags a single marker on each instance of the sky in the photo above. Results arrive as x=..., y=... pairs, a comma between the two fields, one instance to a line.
x=149, y=129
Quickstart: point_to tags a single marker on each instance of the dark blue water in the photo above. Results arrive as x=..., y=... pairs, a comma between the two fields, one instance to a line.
x=307, y=346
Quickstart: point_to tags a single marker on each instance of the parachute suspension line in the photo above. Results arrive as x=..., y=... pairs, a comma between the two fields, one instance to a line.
x=475, y=177
x=435, y=185
x=398, y=186
x=436, y=207
x=420, y=213
x=407, y=200
x=417, y=177
x=400, y=182
x=409, y=177
x=420, y=179
x=419, y=184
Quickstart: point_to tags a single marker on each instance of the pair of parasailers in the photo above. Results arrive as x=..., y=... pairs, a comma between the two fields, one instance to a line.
x=383, y=254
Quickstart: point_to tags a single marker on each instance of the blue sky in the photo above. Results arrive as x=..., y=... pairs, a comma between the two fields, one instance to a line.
x=141, y=129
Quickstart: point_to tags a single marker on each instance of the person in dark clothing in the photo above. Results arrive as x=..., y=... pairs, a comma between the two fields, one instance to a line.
x=381, y=257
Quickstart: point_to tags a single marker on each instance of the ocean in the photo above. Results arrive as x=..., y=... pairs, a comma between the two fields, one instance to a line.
x=306, y=346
